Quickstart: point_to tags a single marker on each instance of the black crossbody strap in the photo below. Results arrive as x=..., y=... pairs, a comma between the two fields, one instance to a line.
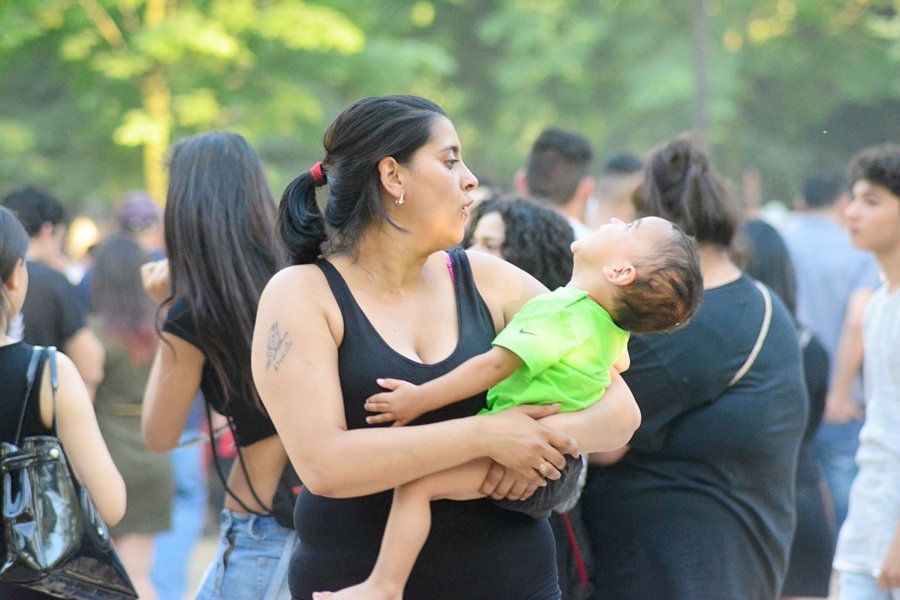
x=240, y=459
x=30, y=376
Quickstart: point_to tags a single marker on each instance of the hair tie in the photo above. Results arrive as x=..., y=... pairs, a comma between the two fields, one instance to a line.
x=318, y=174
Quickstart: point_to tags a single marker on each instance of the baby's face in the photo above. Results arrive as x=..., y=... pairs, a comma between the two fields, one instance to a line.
x=618, y=241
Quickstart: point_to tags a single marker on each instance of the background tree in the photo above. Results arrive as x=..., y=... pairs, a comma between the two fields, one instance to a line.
x=791, y=86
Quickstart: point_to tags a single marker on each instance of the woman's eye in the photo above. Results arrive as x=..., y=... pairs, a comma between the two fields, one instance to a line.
x=451, y=163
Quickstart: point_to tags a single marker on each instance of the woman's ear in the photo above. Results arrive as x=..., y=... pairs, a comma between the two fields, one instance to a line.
x=620, y=275
x=16, y=278
x=391, y=177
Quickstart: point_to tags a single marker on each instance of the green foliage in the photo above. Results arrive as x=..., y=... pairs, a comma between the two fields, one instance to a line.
x=794, y=85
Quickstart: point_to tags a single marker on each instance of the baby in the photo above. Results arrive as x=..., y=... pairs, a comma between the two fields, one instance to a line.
x=637, y=277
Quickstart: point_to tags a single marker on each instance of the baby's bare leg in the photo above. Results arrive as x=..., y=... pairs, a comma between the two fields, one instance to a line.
x=407, y=528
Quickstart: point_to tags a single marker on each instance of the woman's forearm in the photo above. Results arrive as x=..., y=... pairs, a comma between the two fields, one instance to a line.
x=606, y=425
x=365, y=461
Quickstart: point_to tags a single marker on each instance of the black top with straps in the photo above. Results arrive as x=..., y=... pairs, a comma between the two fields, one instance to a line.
x=14, y=359
x=251, y=423
x=475, y=549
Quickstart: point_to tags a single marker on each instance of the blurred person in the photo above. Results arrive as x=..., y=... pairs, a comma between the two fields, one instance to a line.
x=53, y=314
x=136, y=217
x=124, y=321
x=616, y=182
x=222, y=249
x=868, y=548
x=374, y=293
x=683, y=512
x=557, y=174
x=530, y=236
x=809, y=567
x=76, y=424
x=834, y=280
x=173, y=548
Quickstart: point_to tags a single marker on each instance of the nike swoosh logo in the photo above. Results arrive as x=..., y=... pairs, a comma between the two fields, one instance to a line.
x=523, y=332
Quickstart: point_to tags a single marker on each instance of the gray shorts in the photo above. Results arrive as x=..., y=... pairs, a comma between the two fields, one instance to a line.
x=554, y=494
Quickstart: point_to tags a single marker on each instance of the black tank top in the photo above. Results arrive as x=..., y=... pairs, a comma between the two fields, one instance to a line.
x=476, y=550
x=14, y=359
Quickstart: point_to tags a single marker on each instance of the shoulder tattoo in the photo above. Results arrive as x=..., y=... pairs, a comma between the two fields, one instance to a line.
x=277, y=347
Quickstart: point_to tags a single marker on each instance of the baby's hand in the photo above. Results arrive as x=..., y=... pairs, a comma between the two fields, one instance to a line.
x=401, y=405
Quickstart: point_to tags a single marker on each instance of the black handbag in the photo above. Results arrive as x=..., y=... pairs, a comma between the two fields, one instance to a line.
x=56, y=540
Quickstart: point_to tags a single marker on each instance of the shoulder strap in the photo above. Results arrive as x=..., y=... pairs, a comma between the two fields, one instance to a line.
x=54, y=384
x=760, y=339
x=240, y=458
x=30, y=376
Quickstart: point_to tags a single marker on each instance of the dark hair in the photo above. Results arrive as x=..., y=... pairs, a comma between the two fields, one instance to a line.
x=118, y=299
x=219, y=229
x=536, y=238
x=34, y=207
x=823, y=189
x=358, y=139
x=769, y=261
x=668, y=288
x=557, y=163
x=622, y=164
x=681, y=185
x=877, y=164
x=13, y=247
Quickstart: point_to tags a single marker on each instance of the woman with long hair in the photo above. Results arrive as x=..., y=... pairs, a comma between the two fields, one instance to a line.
x=222, y=249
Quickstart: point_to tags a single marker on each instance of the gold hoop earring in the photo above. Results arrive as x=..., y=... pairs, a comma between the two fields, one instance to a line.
x=399, y=201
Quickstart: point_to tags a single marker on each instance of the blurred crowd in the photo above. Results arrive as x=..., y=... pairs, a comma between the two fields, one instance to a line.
x=764, y=462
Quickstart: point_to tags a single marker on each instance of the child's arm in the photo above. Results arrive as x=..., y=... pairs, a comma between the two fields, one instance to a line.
x=624, y=361
x=406, y=401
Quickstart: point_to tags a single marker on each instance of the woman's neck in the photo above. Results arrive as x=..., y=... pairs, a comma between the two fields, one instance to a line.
x=385, y=261
x=717, y=266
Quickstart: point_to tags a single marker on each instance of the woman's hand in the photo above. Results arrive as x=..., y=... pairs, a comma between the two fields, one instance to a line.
x=523, y=445
x=156, y=281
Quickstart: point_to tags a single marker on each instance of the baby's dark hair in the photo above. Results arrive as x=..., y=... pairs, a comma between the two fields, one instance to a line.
x=668, y=288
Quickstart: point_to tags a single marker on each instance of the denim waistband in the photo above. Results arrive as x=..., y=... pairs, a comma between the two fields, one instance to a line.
x=258, y=526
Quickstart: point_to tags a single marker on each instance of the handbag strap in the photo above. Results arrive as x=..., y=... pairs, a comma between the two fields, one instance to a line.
x=30, y=376
x=760, y=339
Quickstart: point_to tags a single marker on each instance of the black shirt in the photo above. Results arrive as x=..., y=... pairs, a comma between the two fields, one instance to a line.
x=52, y=311
x=702, y=506
x=476, y=550
x=14, y=359
x=251, y=422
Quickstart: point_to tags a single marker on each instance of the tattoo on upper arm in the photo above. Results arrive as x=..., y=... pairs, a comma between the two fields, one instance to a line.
x=277, y=347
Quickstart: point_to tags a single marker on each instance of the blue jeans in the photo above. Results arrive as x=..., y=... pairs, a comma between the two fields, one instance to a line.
x=859, y=586
x=173, y=548
x=835, y=446
x=252, y=560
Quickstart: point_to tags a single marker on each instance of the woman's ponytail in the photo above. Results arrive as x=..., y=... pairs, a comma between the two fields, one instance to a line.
x=300, y=221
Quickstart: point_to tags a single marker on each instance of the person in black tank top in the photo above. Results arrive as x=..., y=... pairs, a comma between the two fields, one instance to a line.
x=76, y=423
x=385, y=300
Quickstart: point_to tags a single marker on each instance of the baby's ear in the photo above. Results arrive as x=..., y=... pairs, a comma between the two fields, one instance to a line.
x=620, y=275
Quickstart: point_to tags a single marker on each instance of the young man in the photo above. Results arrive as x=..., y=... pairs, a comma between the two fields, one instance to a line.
x=53, y=313
x=868, y=551
x=557, y=174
